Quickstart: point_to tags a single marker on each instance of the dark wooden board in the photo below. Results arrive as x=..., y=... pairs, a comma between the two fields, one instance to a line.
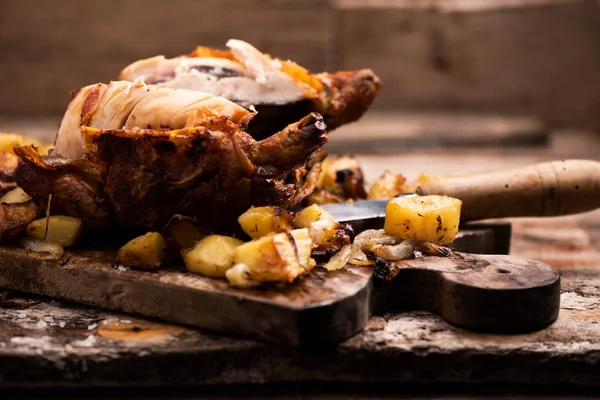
x=484, y=292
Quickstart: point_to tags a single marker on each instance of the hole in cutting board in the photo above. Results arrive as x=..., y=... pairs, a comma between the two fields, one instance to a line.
x=502, y=271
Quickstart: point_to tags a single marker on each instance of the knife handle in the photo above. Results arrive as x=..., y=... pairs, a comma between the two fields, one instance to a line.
x=540, y=190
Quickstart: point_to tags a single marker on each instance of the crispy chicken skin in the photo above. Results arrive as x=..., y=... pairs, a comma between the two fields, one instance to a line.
x=281, y=91
x=126, y=105
x=142, y=154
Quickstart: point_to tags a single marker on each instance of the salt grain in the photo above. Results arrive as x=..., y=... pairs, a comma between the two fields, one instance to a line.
x=62, y=324
x=87, y=342
x=29, y=341
x=48, y=318
x=92, y=327
x=122, y=268
x=42, y=324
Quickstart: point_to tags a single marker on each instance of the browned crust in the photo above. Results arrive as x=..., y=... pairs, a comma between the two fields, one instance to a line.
x=351, y=93
x=92, y=97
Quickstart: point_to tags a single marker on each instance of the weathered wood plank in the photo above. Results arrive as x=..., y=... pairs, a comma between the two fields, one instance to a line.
x=537, y=58
x=389, y=132
x=61, y=344
x=56, y=48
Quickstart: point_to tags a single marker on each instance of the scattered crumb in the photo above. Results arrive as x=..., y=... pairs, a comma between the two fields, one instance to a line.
x=42, y=324
x=418, y=254
x=122, y=268
x=62, y=324
x=92, y=327
x=48, y=318
x=87, y=342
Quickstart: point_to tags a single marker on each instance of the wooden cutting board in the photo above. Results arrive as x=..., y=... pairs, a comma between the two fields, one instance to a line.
x=489, y=291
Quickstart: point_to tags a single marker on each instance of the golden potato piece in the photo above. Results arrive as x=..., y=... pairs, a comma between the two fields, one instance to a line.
x=387, y=186
x=145, y=252
x=427, y=218
x=62, y=229
x=8, y=140
x=327, y=235
x=183, y=232
x=259, y=221
x=342, y=177
x=211, y=256
x=277, y=256
x=311, y=214
x=239, y=276
x=17, y=195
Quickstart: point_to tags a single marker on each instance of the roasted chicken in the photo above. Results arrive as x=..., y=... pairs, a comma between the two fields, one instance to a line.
x=136, y=155
x=281, y=91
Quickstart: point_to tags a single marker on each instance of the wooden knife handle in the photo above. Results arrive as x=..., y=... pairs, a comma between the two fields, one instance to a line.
x=539, y=190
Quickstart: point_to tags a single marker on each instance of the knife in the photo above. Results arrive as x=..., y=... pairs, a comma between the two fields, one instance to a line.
x=545, y=189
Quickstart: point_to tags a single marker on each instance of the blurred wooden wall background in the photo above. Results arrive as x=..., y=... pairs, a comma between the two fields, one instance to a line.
x=539, y=57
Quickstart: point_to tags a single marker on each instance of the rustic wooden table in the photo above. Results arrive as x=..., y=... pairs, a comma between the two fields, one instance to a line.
x=44, y=342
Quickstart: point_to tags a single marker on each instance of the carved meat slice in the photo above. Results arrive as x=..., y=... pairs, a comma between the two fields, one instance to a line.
x=123, y=105
x=281, y=91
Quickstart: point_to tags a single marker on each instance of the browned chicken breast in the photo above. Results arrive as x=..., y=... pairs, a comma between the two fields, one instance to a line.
x=137, y=154
x=281, y=91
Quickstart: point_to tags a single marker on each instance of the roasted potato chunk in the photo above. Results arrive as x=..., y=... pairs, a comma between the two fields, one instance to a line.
x=14, y=217
x=387, y=186
x=259, y=221
x=342, y=177
x=239, y=276
x=9, y=140
x=17, y=195
x=145, y=252
x=425, y=218
x=183, y=232
x=211, y=256
x=277, y=256
x=310, y=214
x=327, y=235
x=59, y=229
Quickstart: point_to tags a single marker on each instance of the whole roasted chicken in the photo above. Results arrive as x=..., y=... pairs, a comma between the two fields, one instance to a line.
x=205, y=135
x=281, y=91
x=135, y=155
